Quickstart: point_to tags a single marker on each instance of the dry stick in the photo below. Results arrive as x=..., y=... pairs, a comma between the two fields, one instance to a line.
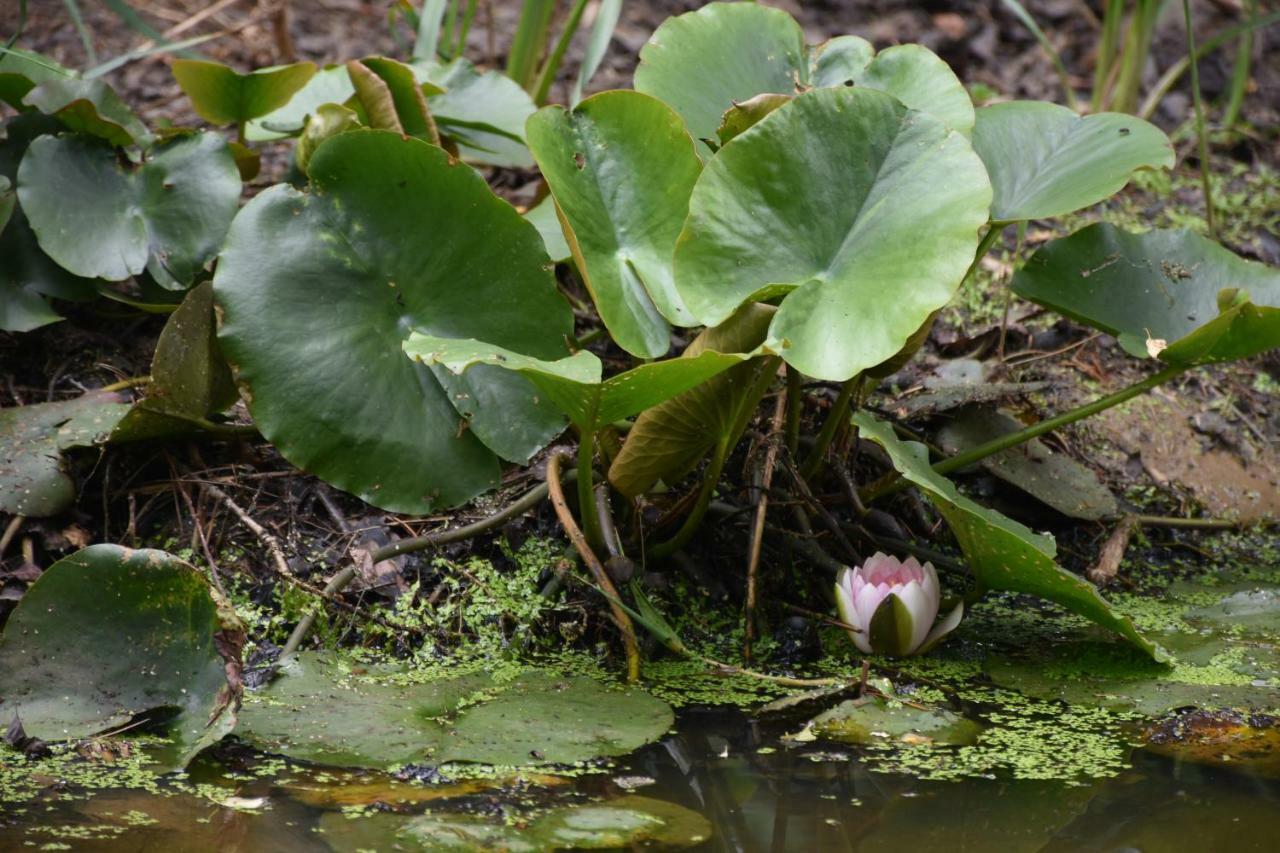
x=1104, y=570
x=10, y=531
x=824, y=515
x=620, y=617
x=757, y=529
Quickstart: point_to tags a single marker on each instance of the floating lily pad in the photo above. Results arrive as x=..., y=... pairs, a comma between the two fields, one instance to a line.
x=878, y=720
x=667, y=440
x=97, y=218
x=33, y=476
x=326, y=788
x=90, y=107
x=865, y=214
x=704, y=62
x=627, y=822
x=111, y=633
x=622, y=230
x=395, y=235
x=221, y=95
x=317, y=711
x=1046, y=160
x=1002, y=553
x=1198, y=301
x=1054, y=479
x=1253, y=611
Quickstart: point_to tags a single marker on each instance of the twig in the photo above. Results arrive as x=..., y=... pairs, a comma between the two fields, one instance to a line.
x=620, y=617
x=1104, y=570
x=828, y=520
x=757, y=529
x=11, y=530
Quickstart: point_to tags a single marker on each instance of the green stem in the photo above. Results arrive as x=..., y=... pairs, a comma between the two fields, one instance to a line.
x=711, y=479
x=1240, y=71
x=548, y=74
x=836, y=418
x=1201, y=134
x=892, y=484
x=123, y=384
x=526, y=46
x=1013, y=439
x=794, y=400
x=1111, y=23
x=586, y=500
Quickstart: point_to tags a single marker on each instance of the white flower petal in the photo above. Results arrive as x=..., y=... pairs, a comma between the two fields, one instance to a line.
x=922, y=613
x=844, y=605
x=945, y=626
x=930, y=584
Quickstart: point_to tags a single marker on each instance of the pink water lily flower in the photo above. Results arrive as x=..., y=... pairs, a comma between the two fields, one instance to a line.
x=892, y=605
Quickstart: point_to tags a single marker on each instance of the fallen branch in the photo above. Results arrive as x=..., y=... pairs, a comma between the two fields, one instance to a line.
x=1104, y=570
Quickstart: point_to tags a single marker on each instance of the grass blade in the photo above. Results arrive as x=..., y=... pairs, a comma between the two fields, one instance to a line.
x=530, y=37
x=597, y=45
x=1020, y=12
x=22, y=23
x=77, y=21
x=148, y=50
x=430, y=20
x=547, y=75
x=1202, y=135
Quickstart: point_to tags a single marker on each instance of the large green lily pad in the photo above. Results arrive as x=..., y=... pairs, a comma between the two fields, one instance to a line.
x=110, y=633
x=221, y=95
x=98, y=219
x=317, y=710
x=630, y=822
x=1054, y=479
x=1195, y=300
x=602, y=162
x=1046, y=161
x=393, y=236
x=864, y=213
x=28, y=275
x=90, y=107
x=1002, y=553
x=573, y=384
x=704, y=62
x=33, y=476
x=667, y=440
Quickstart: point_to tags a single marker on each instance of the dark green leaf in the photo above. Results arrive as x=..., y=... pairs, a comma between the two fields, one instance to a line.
x=109, y=633
x=1001, y=553
x=1173, y=288
x=621, y=226
x=33, y=476
x=90, y=107
x=669, y=439
x=97, y=218
x=891, y=627
x=1045, y=160
x=22, y=70
x=394, y=236
x=864, y=212
x=221, y=95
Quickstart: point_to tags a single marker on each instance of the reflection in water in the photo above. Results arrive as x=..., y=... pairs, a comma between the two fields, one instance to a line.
x=759, y=794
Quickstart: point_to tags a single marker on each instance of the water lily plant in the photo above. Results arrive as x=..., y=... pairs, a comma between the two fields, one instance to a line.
x=891, y=605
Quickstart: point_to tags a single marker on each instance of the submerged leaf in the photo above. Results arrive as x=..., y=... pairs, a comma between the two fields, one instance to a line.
x=1001, y=553
x=110, y=633
x=1206, y=303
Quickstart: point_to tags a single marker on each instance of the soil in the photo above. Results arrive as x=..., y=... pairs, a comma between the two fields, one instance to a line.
x=154, y=494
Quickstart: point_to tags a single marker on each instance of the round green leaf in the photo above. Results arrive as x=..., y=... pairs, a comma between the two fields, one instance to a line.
x=1045, y=160
x=317, y=711
x=97, y=218
x=318, y=291
x=221, y=95
x=90, y=107
x=879, y=720
x=1002, y=553
x=864, y=212
x=1175, y=287
x=109, y=633
x=33, y=479
x=701, y=62
x=622, y=229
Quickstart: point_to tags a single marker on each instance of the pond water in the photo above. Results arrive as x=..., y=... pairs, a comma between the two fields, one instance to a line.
x=755, y=789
